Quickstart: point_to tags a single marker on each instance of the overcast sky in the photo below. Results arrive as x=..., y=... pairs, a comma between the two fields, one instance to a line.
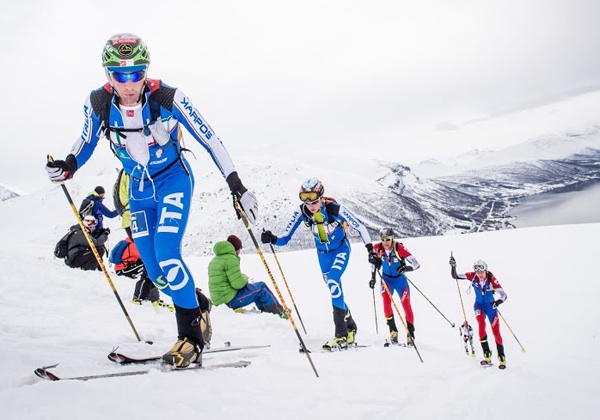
x=395, y=79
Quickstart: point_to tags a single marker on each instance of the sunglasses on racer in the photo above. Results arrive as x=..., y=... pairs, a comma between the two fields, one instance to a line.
x=134, y=76
x=386, y=239
x=479, y=268
x=309, y=197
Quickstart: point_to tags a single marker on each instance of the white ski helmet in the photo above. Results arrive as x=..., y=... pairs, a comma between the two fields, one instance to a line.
x=311, y=190
x=89, y=221
x=480, y=265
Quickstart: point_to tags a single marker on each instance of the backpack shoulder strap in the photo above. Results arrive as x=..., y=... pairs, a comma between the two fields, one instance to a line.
x=308, y=219
x=100, y=100
x=332, y=207
x=161, y=96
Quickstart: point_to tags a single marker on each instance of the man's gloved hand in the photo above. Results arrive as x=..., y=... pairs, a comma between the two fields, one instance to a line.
x=61, y=170
x=375, y=260
x=246, y=199
x=106, y=230
x=372, y=283
x=369, y=247
x=267, y=237
x=452, y=262
x=404, y=269
x=497, y=303
x=159, y=132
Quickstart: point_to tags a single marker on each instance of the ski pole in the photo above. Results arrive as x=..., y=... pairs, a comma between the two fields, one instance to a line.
x=244, y=218
x=511, y=331
x=465, y=323
x=375, y=310
x=287, y=287
x=95, y=252
x=413, y=285
x=387, y=289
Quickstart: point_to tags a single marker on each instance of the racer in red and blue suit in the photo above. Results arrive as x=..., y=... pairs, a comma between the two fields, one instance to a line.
x=394, y=258
x=486, y=285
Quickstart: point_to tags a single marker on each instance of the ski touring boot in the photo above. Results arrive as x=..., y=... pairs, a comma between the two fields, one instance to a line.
x=337, y=344
x=410, y=337
x=351, y=339
x=487, y=359
x=162, y=304
x=188, y=348
x=487, y=353
x=183, y=353
x=351, y=327
x=501, y=357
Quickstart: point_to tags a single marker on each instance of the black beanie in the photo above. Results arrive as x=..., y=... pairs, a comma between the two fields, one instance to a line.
x=99, y=190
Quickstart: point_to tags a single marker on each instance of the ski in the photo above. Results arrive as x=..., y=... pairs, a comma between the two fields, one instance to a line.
x=122, y=359
x=328, y=348
x=44, y=372
x=490, y=364
x=389, y=344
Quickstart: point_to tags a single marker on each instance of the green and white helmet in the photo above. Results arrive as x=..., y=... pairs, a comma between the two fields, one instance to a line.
x=125, y=50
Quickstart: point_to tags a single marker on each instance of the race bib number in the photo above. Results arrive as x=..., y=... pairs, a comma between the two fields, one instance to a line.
x=139, y=224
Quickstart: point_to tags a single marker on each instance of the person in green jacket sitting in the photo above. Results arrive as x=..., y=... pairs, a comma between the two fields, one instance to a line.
x=227, y=284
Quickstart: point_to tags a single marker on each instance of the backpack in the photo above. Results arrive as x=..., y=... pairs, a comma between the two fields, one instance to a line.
x=121, y=201
x=126, y=259
x=86, y=207
x=116, y=254
x=61, y=247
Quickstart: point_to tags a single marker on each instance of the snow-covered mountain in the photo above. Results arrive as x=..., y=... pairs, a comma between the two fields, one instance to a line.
x=381, y=193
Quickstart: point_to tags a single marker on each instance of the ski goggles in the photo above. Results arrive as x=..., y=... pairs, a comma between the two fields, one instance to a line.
x=134, y=76
x=479, y=267
x=387, y=239
x=309, y=197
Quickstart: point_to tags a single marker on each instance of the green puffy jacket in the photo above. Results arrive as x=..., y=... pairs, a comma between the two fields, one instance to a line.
x=225, y=277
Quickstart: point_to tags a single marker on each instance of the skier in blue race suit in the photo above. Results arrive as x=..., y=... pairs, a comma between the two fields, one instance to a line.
x=327, y=220
x=142, y=118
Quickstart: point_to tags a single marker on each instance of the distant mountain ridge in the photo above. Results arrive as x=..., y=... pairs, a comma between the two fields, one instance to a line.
x=473, y=200
x=380, y=193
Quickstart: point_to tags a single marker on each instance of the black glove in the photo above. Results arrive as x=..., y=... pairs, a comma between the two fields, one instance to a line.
x=106, y=230
x=369, y=247
x=267, y=237
x=246, y=198
x=375, y=260
x=61, y=170
x=452, y=262
x=372, y=281
x=497, y=303
x=404, y=268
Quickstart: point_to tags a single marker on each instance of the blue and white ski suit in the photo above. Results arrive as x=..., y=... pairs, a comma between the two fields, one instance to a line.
x=334, y=253
x=161, y=181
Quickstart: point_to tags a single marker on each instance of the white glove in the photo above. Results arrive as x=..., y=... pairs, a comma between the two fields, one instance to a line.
x=159, y=132
x=59, y=171
x=250, y=206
